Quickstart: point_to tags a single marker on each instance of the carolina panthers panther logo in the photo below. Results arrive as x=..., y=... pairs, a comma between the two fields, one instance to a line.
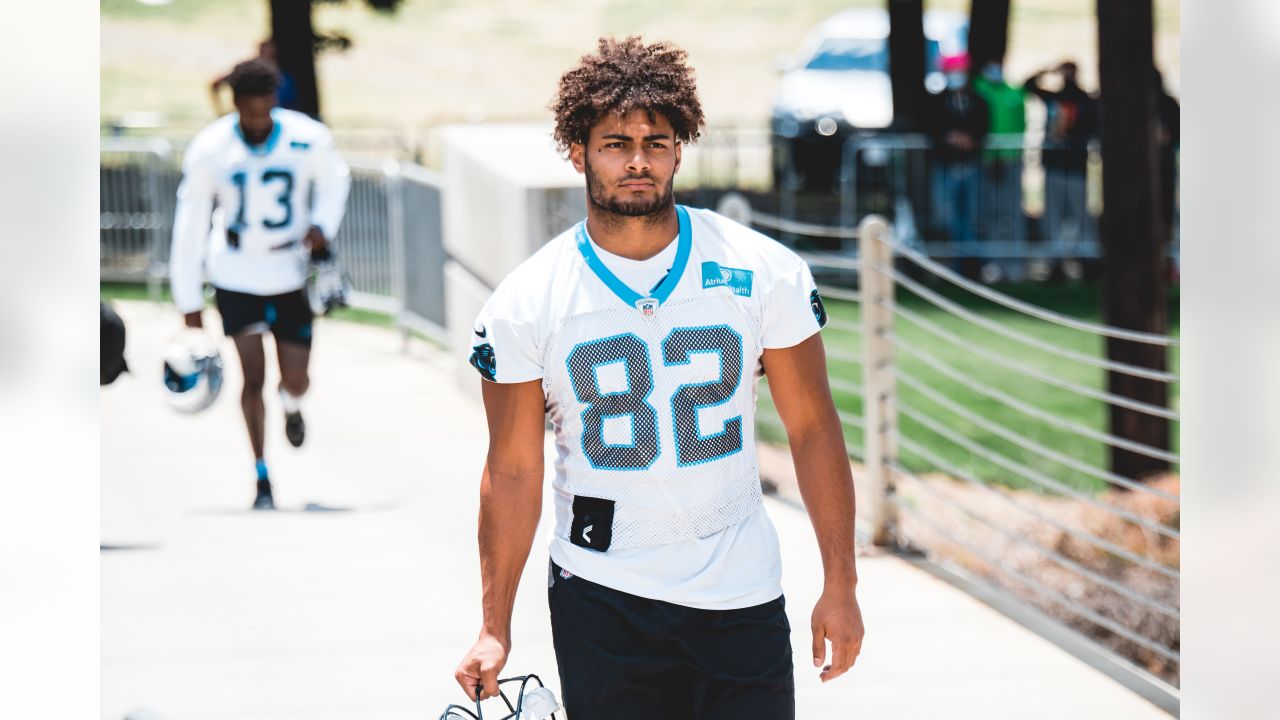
x=483, y=359
x=819, y=310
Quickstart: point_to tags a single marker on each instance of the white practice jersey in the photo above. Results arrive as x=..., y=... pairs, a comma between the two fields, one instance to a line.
x=243, y=210
x=650, y=370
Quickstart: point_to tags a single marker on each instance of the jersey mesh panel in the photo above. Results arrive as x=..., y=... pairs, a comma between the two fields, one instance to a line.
x=690, y=372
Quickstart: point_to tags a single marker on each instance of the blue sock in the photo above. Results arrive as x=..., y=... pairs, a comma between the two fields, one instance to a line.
x=262, y=469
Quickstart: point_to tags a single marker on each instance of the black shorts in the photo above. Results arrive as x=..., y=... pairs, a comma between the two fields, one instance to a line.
x=623, y=657
x=287, y=316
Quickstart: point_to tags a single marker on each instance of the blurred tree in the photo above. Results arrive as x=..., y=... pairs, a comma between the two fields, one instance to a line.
x=988, y=33
x=906, y=62
x=297, y=44
x=1134, y=233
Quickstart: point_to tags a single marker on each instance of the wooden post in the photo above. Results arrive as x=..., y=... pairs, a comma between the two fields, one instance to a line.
x=880, y=436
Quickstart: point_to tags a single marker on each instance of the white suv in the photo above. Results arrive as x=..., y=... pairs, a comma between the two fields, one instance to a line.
x=838, y=84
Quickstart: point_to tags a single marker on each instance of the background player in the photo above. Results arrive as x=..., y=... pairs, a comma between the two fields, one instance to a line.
x=642, y=334
x=275, y=190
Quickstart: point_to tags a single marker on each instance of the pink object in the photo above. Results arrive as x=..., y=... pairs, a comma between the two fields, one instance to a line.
x=955, y=63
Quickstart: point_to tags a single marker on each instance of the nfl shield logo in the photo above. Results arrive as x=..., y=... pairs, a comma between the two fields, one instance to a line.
x=647, y=306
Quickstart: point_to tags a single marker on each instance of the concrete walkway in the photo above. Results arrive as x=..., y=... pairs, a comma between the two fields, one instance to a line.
x=359, y=597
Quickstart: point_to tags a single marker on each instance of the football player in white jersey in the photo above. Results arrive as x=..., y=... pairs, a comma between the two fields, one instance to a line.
x=642, y=334
x=263, y=191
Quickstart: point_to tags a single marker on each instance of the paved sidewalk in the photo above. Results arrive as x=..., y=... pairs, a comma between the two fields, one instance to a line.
x=358, y=598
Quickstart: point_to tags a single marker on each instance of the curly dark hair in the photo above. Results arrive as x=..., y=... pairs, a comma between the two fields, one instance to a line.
x=253, y=78
x=622, y=76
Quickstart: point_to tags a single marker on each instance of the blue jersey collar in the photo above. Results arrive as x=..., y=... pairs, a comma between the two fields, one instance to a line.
x=267, y=145
x=684, y=244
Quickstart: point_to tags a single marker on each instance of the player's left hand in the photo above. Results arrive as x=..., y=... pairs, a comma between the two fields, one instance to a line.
x=837, y=618
x=315, y=240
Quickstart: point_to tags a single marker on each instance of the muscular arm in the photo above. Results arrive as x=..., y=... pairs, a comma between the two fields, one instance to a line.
x=798, y=384
x=510, y=505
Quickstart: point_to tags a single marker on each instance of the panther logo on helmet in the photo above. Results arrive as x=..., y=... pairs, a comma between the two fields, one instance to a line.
x=192, y=372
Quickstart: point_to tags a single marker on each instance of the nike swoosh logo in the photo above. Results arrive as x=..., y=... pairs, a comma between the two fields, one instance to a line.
x=482, y=332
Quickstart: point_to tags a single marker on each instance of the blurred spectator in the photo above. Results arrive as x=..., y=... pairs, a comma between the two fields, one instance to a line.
x=285, y=95
x=1001, y=196
x=957, y=121
x=1168, y=138
x=1071, y=121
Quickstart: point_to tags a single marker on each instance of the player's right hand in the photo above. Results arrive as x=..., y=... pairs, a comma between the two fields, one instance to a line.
x=193, y=320
x=481, y=666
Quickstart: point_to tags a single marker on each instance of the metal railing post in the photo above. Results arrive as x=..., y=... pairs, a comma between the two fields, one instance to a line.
x=156, y=270
x=878, y=376
x=396, y=231
x=848, y=186
x=787, y=197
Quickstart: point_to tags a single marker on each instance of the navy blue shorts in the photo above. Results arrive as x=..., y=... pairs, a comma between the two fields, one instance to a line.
x=287, y=316
x=623, y=656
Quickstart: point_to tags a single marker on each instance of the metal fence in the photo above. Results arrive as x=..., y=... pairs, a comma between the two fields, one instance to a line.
x=1020, y=212
x=981, y=431
x=138, y=183
x=390, y=241
x=1016, y=200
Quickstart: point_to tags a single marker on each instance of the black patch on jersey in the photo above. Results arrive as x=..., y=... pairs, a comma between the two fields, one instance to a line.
x=483, y=360
x=592, y=526
x=819, y=310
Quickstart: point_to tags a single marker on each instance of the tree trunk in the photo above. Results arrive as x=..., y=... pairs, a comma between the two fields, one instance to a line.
x=988, y=33
x=1134, y=236
x=295, y=49
x=906, y=62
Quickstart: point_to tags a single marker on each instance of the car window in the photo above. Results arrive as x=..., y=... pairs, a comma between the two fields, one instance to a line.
x=850, y=54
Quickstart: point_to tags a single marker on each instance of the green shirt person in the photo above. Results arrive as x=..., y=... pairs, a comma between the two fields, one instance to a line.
x=1006, y=105
x=1001, y=211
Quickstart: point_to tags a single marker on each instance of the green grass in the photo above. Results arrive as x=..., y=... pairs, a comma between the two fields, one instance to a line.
x=1076, y=301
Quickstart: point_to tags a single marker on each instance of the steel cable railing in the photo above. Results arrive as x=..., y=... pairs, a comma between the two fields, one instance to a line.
x=1058, y=558
x=784, y=225
x=995, y=327
x=937, y=342
x=1038, y=586
x=1026, y=473
x=1027, y=443
x=846, y=386
x=983, y=291
x=1026, y=408
x=1081, y=535
x=843, y=325
x=1031, y=372
x=842, y=356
